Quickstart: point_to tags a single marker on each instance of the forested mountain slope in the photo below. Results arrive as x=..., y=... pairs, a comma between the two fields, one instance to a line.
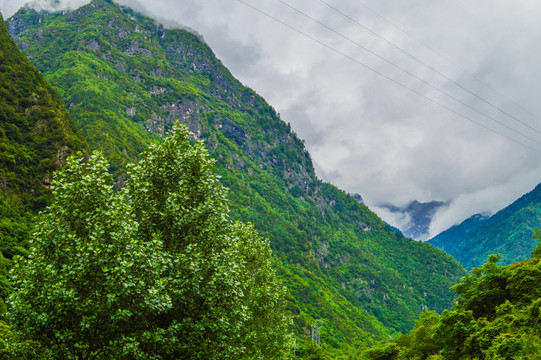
x=508, y=232
x=496, y=316
x=36, y=136
x=126, y=79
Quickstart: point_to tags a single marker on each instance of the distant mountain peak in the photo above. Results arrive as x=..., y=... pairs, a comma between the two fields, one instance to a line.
x=414, y=218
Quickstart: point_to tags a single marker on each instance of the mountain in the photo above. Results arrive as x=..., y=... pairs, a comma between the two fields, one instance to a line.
x=126, y=79
x=508, y=232
x=450, y=239
x=415, y=217
x=36, y=136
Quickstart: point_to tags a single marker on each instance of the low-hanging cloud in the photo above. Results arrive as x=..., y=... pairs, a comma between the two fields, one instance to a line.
x=9, y=7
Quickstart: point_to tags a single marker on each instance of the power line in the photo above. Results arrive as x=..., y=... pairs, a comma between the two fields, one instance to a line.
x=441, y=56
x=412, y=74
x=385, y=76
x=427, y=65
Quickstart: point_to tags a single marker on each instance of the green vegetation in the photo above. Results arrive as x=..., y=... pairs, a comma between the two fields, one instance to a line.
x=496, y=316
x=36, y=136
x=508, y=232
x=127, y=79
x=154, y=271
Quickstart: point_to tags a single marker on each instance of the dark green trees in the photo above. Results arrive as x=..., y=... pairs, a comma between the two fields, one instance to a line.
x=497, y=316
x=155, y=271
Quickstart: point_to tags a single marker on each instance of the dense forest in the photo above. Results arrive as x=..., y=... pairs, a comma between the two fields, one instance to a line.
x=497, y=315
x=126, y=80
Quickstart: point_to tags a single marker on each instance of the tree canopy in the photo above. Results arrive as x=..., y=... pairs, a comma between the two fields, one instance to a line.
x=496, y=316
x=156, y=270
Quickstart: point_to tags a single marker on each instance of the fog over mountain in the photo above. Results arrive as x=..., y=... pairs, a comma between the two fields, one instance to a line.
x=391, y=143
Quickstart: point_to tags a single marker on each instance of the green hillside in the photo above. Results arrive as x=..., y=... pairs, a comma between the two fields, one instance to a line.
x=496, y=316
x=126, y=79
x=508, y=232
x=36, y=136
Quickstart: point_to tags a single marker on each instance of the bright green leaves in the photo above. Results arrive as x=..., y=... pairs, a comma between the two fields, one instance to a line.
x=154, y=271
x=65, y=300
x=227, y=302
x=176, y=193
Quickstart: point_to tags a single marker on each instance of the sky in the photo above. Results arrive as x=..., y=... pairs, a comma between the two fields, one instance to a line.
x=396, y=100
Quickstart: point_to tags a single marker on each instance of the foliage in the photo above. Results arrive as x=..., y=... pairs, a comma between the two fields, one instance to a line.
x=127, y=79
x=496, y=316
x=36, y=134
x=507, y=232
x=35, y=129
x=89, y=285
x=155, y=271
x=227, y=302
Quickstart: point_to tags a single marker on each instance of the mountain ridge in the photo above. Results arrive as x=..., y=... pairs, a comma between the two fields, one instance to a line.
x=508, y=232
x=341, y=263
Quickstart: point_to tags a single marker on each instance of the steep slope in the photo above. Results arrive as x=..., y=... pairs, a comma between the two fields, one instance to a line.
x=36, y=135
x=508, y=232
x=127, y=79
x=450, y=239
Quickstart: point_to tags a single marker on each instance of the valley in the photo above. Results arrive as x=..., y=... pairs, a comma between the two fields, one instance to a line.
x=106, y=78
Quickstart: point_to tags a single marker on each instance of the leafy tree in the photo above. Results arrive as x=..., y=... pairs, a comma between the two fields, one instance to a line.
x=227, y=302
x=89, y=285
x=496, y=316
x=154, y=271
x=536, y=252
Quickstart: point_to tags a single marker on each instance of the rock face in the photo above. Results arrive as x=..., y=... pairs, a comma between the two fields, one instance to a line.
x=415, y=217
x=340, y=262
x=358, y=198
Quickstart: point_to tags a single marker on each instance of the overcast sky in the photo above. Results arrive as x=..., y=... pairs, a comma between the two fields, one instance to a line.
x=387, y=126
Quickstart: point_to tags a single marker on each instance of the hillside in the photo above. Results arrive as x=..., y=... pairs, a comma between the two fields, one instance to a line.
x=496, y=316
x=36, y=136
x=508, y=232
x=126, y=79
x=450, y=239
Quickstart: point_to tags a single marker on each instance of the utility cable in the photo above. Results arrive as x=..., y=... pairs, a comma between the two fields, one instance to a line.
x=412, y=74
x=386, y=76
x=373, y=33
x=441, y=56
